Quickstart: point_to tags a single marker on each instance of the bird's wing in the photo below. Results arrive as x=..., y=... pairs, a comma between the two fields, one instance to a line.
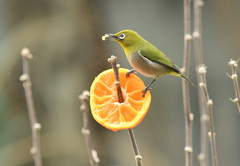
x=154, y=55
x=157, y=56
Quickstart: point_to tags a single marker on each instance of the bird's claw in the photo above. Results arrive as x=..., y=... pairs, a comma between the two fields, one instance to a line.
x=130, y=72
x=145, y=90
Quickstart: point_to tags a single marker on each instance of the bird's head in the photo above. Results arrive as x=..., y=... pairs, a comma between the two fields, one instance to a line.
x=126, y=38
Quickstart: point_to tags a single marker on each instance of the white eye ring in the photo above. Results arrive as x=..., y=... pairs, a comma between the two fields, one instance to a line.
x=122, y=36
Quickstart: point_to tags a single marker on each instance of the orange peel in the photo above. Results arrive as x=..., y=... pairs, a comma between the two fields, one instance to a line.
x=108, y=111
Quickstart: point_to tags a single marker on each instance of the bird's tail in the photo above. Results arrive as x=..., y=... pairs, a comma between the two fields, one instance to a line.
x=190, y=82
x=183, y=76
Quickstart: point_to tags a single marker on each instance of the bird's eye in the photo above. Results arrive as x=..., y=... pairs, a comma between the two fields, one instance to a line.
x=121, y=36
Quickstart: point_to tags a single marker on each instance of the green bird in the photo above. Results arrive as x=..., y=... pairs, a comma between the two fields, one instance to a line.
x=144, y=57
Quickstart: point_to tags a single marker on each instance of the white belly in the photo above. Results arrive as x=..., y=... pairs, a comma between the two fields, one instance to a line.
x=146, y=67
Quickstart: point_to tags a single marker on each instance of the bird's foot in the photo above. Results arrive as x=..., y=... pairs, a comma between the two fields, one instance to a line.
x=130, y=72
x=145, y=90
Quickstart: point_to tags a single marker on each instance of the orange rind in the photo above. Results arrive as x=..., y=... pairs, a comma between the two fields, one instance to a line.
x=105, y=106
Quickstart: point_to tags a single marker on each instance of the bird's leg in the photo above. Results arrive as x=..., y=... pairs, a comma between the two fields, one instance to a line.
x=148, y=87
x=130, y=72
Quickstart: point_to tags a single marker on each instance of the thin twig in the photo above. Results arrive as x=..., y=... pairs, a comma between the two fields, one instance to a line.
x=115, y=67
x=202, y=71
x=35, y=126
x=185, y=86
x=198, y=4
x=203, y=156
x=138, y=157
x=92, y=153
x=113, y=61
x=234, y=65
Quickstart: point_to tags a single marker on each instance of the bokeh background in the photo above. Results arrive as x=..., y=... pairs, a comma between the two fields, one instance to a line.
x=65, y=39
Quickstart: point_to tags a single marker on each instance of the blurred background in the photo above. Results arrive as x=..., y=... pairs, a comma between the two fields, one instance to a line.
x=65, y=40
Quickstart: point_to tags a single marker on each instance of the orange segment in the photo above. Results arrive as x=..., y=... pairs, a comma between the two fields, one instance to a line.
x=105, y=107
x=102, y=89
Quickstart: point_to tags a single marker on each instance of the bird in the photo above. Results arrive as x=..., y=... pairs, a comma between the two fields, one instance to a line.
x=144, y=57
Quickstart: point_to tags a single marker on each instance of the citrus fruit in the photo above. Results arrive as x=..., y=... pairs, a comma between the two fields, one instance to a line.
x=105, y=106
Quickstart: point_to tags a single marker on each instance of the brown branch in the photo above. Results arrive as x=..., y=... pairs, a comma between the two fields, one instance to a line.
x=113, y=61
x=234, y=65
x=115, y=67
x=35, y=126
x=202, y=71
x=203, y=156
x=185, y=86
x=138, y=157
x=92, y=154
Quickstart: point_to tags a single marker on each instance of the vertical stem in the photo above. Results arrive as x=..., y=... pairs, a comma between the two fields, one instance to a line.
x=202, y=71
x=198, y=4
x=234, y=65
x=92, y=153
x=115, y=67
x=186, y=99
x=138, y=157
x=35, y=126
x=203, y=156
x=113, y=61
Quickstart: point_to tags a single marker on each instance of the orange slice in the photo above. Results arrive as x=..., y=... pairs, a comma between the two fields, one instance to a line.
x=108, y=111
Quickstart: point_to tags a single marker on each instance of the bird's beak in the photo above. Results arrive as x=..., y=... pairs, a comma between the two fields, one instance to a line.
x=110, y=37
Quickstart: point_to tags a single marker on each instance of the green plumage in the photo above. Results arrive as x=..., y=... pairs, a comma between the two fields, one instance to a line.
x=144, y=57
x=152, y=53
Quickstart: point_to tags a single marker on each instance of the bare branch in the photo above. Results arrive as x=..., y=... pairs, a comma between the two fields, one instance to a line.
x=202, y=72
x=185, y=86
x=138, y=157
x=197, y=36
x=35, y=126
x=234, y=65
x=113, y=61
x=92, y=154
x=115, y=67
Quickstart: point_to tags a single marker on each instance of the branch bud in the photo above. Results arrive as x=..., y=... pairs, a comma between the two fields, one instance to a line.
x=204, y=118
x=210, y=134
x=188, y=149
x=210, y=102
x=201, y=156
x=182, y=70
x=202, y=85
x=37, y=127
x=188, y=37
x=138, y=157
x=117, y=83
x=95, y=156
x=196, y=34
x=33, y=151
x=85, y=131
x=26, y=53
x=82, y=107
x=202, y=69
x=84, y=96
x=234, y=76
x=23, y=77
x=234, y=100
x=231, y=62
x=200, y=3
x=191, y=116
x=112, y=59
